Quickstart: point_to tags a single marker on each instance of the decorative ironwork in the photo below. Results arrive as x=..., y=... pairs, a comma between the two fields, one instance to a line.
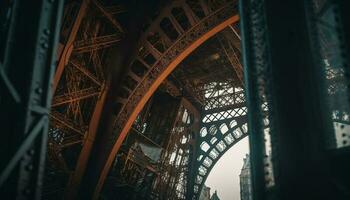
x=79, y=89
x=162, y=60
x=224, y=123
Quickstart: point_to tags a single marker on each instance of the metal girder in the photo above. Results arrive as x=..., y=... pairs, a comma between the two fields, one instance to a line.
x=96, y=43
x=75, y=96
x=86, y=72
x=268, y=42
x=108, y=15
x=26, y=74
x=79, y=101
x=190, y=91
x=170, y=185
x=208, y=160
x=67, y=50
x=170, y=88
x=232, y=56
x=235, y=30
x=71, y=140
x=224, y=108
x=157, y=68
x=208, y=26
x=221, y=128
x=75, y=180
x=61, y=119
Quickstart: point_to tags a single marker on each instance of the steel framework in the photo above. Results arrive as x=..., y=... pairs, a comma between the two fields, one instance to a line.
x=113, y=107
x=224, y=123
x=26, y=71
x=80, y=87
x=312, y=144
x=177, y=31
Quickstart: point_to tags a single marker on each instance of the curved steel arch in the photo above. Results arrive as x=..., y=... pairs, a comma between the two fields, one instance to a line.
x=201, y=184
x=222, y=128
x=139, y=86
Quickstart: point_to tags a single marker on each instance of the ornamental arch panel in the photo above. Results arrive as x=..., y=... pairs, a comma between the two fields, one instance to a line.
x=161, y=62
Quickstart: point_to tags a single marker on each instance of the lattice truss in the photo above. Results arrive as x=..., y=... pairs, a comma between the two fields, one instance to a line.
x=224, y=123
x=167, y=177
x=84, y=40
x=336, y=81
x=170, y=33
x=79, y=87
x=172, y=182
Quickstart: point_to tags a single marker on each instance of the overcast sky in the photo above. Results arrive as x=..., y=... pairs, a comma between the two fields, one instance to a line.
x=224, y=177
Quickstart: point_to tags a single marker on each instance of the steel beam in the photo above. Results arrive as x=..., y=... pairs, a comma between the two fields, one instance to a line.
x=232, y=56
x=75, y=96
x=26, y=74
x=63, y=120
x=86, y=72
x=96, y=43
x=75, y=180
x=108, y=15
x=283, y=66
x=68, y=46
x=114, y=134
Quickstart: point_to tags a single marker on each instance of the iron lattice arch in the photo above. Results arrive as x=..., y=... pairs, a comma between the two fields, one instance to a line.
x=223, y=124
x=179, y=29
x=172, y=32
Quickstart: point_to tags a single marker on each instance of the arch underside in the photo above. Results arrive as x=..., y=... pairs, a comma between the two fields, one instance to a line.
x=178, y=30
x=135, y=93
x=222, y=128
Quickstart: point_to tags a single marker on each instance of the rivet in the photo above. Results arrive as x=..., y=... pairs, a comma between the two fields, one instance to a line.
x=45, y=45
x=39, y=90
x=47, y=32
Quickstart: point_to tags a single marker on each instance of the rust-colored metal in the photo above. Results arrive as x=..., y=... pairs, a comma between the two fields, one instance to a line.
x=75, y=96
x=68, y=46
x=80, y=90
x=232, y=55
x=162, y=69
x=97, y=43
x=75, y=179
x=79, y=99
x=109, y=16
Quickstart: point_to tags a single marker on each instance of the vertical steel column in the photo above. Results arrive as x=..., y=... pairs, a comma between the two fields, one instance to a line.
x=282, y=69
x=68, y=46
x=251, y=18
x=344, y=16
x=90, y=186
x=25, y=95
x=192, y=154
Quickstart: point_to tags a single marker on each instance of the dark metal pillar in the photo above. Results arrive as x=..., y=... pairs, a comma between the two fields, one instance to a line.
x=119, y=58
x=253, y=18
x=283, y=68
x=26, y=70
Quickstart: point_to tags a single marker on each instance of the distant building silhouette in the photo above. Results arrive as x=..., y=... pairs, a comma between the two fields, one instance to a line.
x=245, y=180
x=215, y=196
x=205, y=193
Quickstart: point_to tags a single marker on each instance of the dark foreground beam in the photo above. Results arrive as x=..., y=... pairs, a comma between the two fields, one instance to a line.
x=26, y=71
x=284, y=66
